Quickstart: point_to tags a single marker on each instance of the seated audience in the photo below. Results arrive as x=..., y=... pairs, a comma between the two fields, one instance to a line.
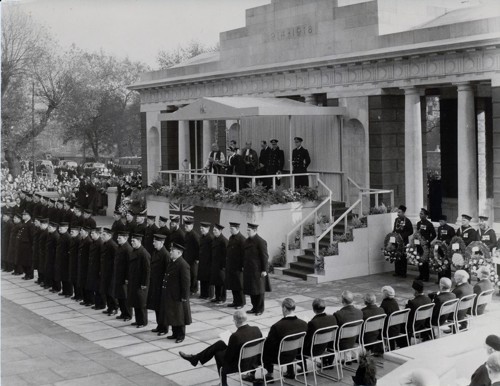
x=462, y=288
x=348, y=313
x=227, y=356
x=320, y=320
x=439, y=298
x=390, y=305
x=366, y=374
x=419, y=300
x=484, y=284
x=480, y=376
x=371, y=309
x=493, y=366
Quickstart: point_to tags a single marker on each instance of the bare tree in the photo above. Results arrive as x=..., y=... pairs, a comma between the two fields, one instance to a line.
x=167, y=59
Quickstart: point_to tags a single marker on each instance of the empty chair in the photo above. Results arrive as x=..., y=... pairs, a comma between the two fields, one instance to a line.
x=372, y=324
x=397, y=318
x=289, y=343
x=482, y=300
x=423, y=314
x=347, y=330
x=465, y=303
x=447, y=316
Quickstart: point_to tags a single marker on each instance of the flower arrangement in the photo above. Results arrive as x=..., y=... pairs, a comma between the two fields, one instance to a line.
x=458, y=253
x=393, y=247
x=319, y=264
x=331, y=250
x=479, y=256
x=381, y=209
x=279, y=260
x=417, y=251
x=439, y=259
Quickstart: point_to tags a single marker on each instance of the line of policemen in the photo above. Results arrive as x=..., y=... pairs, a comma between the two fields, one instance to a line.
x=445, y=233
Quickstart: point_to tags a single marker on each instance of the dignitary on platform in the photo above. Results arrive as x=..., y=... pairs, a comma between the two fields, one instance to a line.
x=234, y=265
x=404, y=227
x=138, y=277
x=300, y=162
x=159, y=260
x=250, y=159
x=218, y=266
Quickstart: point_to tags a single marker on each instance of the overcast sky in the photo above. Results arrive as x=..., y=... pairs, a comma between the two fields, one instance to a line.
x=137, y=28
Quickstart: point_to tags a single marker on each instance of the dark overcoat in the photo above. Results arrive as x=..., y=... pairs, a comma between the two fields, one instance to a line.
x=175, y=288
x=120, y=271
x=205, y=257
x=117, y=227
x=83, y=261
x=140, y=229
x=177, y=237
x=139, y=271
x=149, y=237
x=286, y=326
x=61, y=264
x=50, y=261
x=11, y=255
x=94, y=268
x=42, y=250
x=192, y=245
x=36, y=247
x=234, y=262
x=218, y=267
x=6, y=229
x=255, y=260
x=108, y=252
x=73, y=258
x=24, y=243
x=159, y=260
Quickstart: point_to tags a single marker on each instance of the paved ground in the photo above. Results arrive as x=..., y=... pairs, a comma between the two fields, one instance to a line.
x=47, y=339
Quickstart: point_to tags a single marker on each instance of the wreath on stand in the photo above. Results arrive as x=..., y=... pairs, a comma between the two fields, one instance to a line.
x=393, y=247
x=439, y=259
x=479, y=256
x=458, y=253
x=417, y=251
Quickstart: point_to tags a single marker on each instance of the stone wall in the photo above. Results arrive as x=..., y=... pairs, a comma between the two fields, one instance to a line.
x=495, y=93
x=386, y=130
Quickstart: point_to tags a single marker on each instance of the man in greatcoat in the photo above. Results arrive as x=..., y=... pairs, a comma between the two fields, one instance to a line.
x=120, y=271
x=42, y=250
x=140, y=224
x=118, y=225
x=300, y=162
x=275, y=161
x=139, y=270
x=404, y=227
x=108, y=252
x=163, y=229
x=159, y=261
x=7, y=224
x=130, y=224
x=255, y=263
x=12, y=251
x=176, y=233
x=88, y=220
x=61, y=265
x=192, y=253
x=151, y=230
x=174, y=305
x=206, y=290
x=52, y=239
x=466, y=232
x=73, y=261
x=94, y=271
x=426, y=229
x=24, y=246
x=218, y=267
x=234, y=265
x=36, y=243
x=83, y=265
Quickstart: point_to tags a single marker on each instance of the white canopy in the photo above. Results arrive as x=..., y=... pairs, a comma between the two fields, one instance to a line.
x=221, y=108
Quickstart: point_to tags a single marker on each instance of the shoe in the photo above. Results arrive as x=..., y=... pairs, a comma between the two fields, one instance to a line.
x=120, y=317
x=252, y=311
x=248, y=378
x=155, y=330
x=171, y=337
x=61, y=294
x=219, y=302
x=140, y=326
x=67, y=295
x=238, y=307
x=395, y=274
x=231, y=305
x=214, y=300
x=134, y=324
x=99, y=308
x=289, y=375
x=83, y=303
x=202, y=297
x=190, y=358
x=403, y=276
x=126, y=319
x=179, y=340
x=24, y=278
x=87, y=304
x=259, y=313
x=106, y=312
x=162, y=332
x=74, y=298
x=419, y=278
x=53, y=290
x=112, y=312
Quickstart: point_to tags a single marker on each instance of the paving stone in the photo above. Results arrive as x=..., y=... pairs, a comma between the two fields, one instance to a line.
x=108, y=379
x=101, y=334
x=118, y=342
x=41, y=377
x=170, y=343
x=135, y=349
x=14, y=380
x=51, y=310
x=194, y=377
x=80, y=369
x=27, y=365
x=170, y=367
x=153, y=357
x=12, y=355
x=89, y=327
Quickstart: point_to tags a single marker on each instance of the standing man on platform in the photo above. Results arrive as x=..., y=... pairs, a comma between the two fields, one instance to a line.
x=109, y=249
x=251, y=159
x=486, y=234
x=264, y=160
x=205, y=262
x=426, y=229
x=255, y=263
x=300, y=162
x=174, y=306
x=275, y=161
x=234, y=265
x=403, y=226
x=218, y=267
x=139, y=271
x=215, y=160
x=120, y=272
x=466, y=232
x=235, y=165
x=159, y=261
x=192, y=253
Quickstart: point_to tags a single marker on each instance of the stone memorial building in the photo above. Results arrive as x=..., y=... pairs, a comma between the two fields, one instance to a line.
x=382, y=61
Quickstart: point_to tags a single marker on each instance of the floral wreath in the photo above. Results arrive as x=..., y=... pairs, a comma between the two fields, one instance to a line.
x=393, y=247
x=458, y=253
x=479, y=256
x=417, y=251
x=439, y=259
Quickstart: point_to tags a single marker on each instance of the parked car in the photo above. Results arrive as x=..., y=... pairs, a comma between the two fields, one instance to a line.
x=68, y=164
x=90, y=168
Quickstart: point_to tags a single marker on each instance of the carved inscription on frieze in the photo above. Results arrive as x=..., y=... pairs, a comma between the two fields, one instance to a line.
x=296, y=32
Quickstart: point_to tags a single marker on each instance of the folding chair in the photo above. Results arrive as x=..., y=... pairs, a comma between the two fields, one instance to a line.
x=292, y=342
x=322, y=336
x=372, y=324
x=483, y=299
x=422, y=314
x=464, y=303
x=348, y=330
x=397, y=318
x=448, y=308
x=251, y=349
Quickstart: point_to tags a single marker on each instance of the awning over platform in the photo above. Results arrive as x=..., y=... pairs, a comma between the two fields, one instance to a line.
x=221, y=108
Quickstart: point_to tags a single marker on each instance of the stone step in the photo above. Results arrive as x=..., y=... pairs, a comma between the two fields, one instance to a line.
x=309, y=258
x=309, y=252
x=295, y=273
x=300, y=266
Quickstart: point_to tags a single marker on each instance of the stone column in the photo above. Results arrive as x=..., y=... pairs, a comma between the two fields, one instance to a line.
x=183, y=142
x=414, y=180
x=467, y=153
x=481, y=158
x=207, y=141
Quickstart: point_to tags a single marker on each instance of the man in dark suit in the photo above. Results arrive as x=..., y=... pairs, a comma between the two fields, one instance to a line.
x=426, y=229
x=251, y=159
x=205, y=262
x=73, y=262
x=348, y=313
x=255, y=263
x=159, y=262
x=300, y=162
x=466, y=232
x=371, y=309
x=403, y=226
x=120, y=271
x=481, y=376
x=420, y=299
x=235, y=165
x=83, y=265
x=289, y=324
x=139, y=270
x=439, y=298
x=482, y=285
x=192, y=253
x=390, y=305
x=94, y=271
x=320, y=320
x=234, y=265
x=151, y=230
x=462, y=288
x=263, y=157
x=493, y=367
x=227, y=356
x=218, y=267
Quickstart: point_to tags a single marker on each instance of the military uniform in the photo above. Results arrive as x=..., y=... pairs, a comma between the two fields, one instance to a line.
x=300, y=162
x=83, y=266
x=61, y=265
x=218, y=267
x=117, y=227
x=93, y=283
x=42, y=255
x=445, y=233
x=428, y=232
x=12, y=251
x=24, y=248
x=119, y=286
x=108, y=252
x=488, y=237
x=149, y=236
x=6, y=229
x=192, y=256
x=139, y=270
x=234, y=269
x=403, y=227
x=255, y=261
x=159, y=261
x=275, y=162
x=73, y=266
x=468, y=234
x=176, y=236
x=52, y=240
x=204, y=266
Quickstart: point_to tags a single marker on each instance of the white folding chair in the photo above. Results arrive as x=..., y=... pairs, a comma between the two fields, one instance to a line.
x=448, y=309
x=397, y=318
x=347, y=330
x=464, y=303
x=292, y=342
x=423, y=314
x=372, y=324
x=483, y=298
x=251, y=349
